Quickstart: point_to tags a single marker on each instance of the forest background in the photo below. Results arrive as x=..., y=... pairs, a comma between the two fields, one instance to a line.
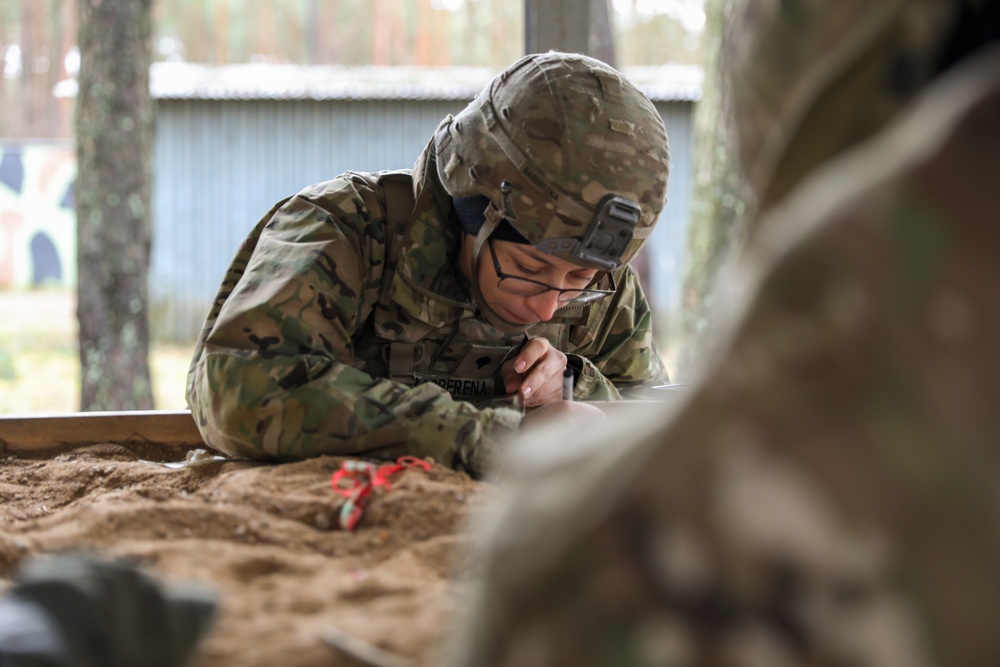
x=38, y=41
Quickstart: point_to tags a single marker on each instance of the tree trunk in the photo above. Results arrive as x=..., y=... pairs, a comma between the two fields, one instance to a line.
x=719, y=202
x=381, y=37
x=602, y=41
x=67, y=10
x=423, y=48
x=221, y=33
x=32, y=88
x=114, y=143
x=8, y=18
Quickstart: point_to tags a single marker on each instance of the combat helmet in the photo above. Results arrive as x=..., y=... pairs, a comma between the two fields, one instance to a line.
x=568, y=152
x=807, y=80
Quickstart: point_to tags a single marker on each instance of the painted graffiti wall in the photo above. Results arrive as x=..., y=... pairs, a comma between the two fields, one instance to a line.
x=37, y=218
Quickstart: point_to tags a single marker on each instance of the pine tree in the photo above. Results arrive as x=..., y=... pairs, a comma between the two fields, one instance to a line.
x=114, y=116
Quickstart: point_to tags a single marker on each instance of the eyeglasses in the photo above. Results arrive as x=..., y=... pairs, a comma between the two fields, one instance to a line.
x=527, y=287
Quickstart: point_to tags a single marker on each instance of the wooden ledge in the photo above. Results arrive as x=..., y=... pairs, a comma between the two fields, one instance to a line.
x=30, y=432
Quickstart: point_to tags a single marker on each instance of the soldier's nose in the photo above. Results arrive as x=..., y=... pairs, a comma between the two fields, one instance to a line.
x=544, y=305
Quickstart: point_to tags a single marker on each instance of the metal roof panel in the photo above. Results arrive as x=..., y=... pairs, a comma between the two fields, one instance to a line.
x=180, y=80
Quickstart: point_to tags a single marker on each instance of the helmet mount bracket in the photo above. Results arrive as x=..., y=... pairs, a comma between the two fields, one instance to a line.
x=607, y=237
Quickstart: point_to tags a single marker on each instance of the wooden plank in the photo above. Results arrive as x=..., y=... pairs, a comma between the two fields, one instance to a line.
x=64, y=431
x=27, y=432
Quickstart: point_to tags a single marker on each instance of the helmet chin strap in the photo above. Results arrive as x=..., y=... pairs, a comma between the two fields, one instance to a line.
x=492, y=221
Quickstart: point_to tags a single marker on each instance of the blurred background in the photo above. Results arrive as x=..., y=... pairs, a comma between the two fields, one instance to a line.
x=252, y=100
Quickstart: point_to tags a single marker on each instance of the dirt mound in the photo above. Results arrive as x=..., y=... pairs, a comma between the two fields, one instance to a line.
x=265, y=537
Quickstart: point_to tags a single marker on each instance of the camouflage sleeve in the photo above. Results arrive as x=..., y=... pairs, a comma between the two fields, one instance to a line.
x=274, y=376
x=621, y=354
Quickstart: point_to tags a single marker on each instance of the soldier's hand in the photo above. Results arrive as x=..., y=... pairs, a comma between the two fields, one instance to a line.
x=536, y=373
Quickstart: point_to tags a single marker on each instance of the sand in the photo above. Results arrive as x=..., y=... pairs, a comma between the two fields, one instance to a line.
x=264, y=537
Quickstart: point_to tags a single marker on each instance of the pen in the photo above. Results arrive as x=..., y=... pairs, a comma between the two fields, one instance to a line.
x=568, y=384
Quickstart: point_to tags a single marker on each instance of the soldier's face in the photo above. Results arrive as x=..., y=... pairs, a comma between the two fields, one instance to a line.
x=523, y=261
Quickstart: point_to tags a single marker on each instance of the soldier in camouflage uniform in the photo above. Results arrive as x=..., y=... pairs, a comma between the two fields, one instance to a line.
x=420, y=312
x=826, y=493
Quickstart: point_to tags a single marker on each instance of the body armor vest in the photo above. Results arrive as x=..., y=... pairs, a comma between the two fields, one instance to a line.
x=463, y=358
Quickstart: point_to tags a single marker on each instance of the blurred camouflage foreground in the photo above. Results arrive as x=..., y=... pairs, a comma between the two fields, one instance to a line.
x=825, y=493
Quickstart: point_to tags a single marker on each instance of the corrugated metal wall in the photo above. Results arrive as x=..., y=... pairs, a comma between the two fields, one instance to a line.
x=666, y=247
x=220, y=165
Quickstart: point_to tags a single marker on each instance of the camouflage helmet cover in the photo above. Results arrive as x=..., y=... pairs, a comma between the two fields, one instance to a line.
x=806, y=80
x=554, y=142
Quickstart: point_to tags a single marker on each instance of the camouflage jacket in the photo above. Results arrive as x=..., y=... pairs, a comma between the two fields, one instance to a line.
x=335, y=333
x=825, y=494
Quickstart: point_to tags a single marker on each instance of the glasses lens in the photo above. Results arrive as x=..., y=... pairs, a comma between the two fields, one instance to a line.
x=527, y=288
x=578, y=296
x=571, y=296
x=514, y=285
